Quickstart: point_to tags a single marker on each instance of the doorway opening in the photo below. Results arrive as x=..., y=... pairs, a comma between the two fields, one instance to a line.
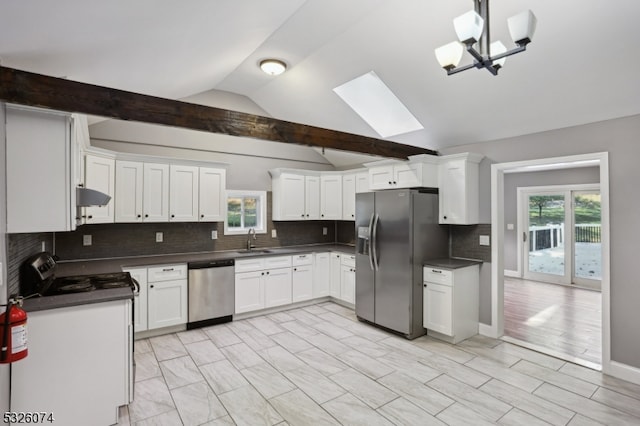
x=555, y=236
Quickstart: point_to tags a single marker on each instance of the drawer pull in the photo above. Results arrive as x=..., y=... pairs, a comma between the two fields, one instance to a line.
x=436, y=271
x=167, y=269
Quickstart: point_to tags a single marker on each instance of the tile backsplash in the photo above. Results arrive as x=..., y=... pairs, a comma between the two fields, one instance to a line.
x=465, y=241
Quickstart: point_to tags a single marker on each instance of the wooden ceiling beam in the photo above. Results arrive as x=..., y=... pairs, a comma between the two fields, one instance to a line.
x=38, y=90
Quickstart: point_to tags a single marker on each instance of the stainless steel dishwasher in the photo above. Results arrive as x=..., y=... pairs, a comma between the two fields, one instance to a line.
x=211, y=292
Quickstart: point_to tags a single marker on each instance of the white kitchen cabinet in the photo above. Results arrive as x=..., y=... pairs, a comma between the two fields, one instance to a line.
x=211, y=199
x=312, y=197
x=348, y=278
x=450, y=304
x=334, y=278
x=100, y=174
x=459, y=189
x=302, y=277
x=155, y=193
x=167, y=296
x=296, y=195
x=349, y=197
x=249, y=291
x=419, y=171
x=39, y=173
x=362, y=182
x=140, y=302
x=277, y=287
x=321, y=274
x=85, y=351
x=262, y=282
x=128, y=193
x=183, y=193
x=331, y=197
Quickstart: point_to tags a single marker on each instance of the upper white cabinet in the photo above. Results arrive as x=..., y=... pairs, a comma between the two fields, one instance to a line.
x=349, y=197
x=459, y=186
x=362, y=182
x=155, y=193
x=211, y=194
x=331, y=197
x=100, y=174
x=128, y=201
x=419, y=171
x=183, y=193
x=39, y=172
x=296, y=196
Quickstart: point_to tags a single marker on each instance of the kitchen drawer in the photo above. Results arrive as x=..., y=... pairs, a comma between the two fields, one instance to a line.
x=302, y=259
x=348, y=260
x=438, y=276
x=167, y=273
x=261, y=263
x=249, y=265
x=277, y=262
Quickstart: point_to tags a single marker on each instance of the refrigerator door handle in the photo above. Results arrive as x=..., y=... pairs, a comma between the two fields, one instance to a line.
x=374, y=242
x=371, y=242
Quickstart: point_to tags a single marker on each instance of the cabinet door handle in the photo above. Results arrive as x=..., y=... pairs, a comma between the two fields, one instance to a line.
x=302, y=215
x=267, y=272
x=395, y=183
x=322, y=215
x=295, y=269
x=389, y=182
x=444, y=217
x=425, y=286
x=90, y=217
x=307, y=214
x=202, y=216
x=146, y=215
x=436, y=271
x=262, y=273
x=173, y=215
x=139, y=216
x=151, y=286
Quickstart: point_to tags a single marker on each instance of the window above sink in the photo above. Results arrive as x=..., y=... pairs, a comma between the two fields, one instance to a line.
x=245, y=210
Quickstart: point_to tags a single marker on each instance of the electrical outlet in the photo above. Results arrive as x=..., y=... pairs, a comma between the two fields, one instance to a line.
x=214, y=235
x=274, y=233
x=484, y=240
x=324, y=230
x=44, y=246
x=159, y=237
x=86, y=240
x=510, y=227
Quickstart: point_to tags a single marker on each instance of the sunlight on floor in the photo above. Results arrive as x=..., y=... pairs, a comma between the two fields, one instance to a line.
x=542, y=317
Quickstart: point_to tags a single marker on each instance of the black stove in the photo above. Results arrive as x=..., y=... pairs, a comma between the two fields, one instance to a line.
x=38, y=279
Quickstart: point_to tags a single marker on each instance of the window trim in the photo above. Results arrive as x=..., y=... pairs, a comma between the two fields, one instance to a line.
x=261, y=228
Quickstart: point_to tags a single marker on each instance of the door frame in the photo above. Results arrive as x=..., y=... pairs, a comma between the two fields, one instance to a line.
x=522, y=212
x=601, y=159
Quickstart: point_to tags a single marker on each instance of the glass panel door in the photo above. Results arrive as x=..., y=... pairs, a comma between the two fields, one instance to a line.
x=546, y=257
x=587, y=239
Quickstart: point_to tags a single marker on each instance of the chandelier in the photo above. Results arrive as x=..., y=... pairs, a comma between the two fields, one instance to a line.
x=472, y=29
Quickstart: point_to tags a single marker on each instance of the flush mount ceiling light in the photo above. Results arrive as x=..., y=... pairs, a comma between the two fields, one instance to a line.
x=473, y=28
x=273, y=66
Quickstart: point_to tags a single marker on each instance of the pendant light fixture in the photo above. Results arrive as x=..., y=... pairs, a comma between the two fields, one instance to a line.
x=474, y=35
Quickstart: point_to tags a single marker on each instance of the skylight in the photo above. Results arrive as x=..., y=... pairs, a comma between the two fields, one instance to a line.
x=372, y=100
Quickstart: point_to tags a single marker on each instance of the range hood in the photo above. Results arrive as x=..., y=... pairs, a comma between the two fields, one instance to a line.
x=86, y=197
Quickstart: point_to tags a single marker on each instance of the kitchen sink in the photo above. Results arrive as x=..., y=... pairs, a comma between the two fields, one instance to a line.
x=253, y=251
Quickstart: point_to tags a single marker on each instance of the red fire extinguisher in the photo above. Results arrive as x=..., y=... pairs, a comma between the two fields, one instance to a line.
x=13, y=329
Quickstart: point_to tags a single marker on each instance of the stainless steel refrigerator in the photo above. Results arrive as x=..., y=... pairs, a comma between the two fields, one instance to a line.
x=396, y=231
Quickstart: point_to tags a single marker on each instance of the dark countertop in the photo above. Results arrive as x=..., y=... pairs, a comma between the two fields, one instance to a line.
x=451, y=263
x=75, y=299
x=104, y=266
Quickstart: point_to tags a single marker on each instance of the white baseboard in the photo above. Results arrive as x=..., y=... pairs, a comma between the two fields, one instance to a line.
x=512, y=274
x=624, y=372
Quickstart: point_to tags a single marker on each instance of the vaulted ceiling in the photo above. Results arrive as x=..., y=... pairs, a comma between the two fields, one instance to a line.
x=581, y=67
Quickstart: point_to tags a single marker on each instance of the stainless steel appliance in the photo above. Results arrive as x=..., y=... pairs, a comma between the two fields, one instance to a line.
x=211, y=292
x=396, y=231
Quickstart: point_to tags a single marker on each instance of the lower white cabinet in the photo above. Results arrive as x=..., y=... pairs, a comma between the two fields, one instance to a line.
x=302, y=278
x=78, y=367
x=321, y=274
x=348, y=278
x=262, y=282
x=451, y=299
x=163, y=298
x=335, y=278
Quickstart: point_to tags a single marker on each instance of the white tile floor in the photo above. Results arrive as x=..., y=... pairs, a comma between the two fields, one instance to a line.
x=319, y=365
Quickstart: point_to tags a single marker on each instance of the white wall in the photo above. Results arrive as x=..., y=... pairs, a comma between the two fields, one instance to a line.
x=4, y=369
x=621, y=138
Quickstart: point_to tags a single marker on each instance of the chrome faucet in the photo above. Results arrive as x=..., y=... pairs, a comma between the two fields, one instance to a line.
x=251, y=231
